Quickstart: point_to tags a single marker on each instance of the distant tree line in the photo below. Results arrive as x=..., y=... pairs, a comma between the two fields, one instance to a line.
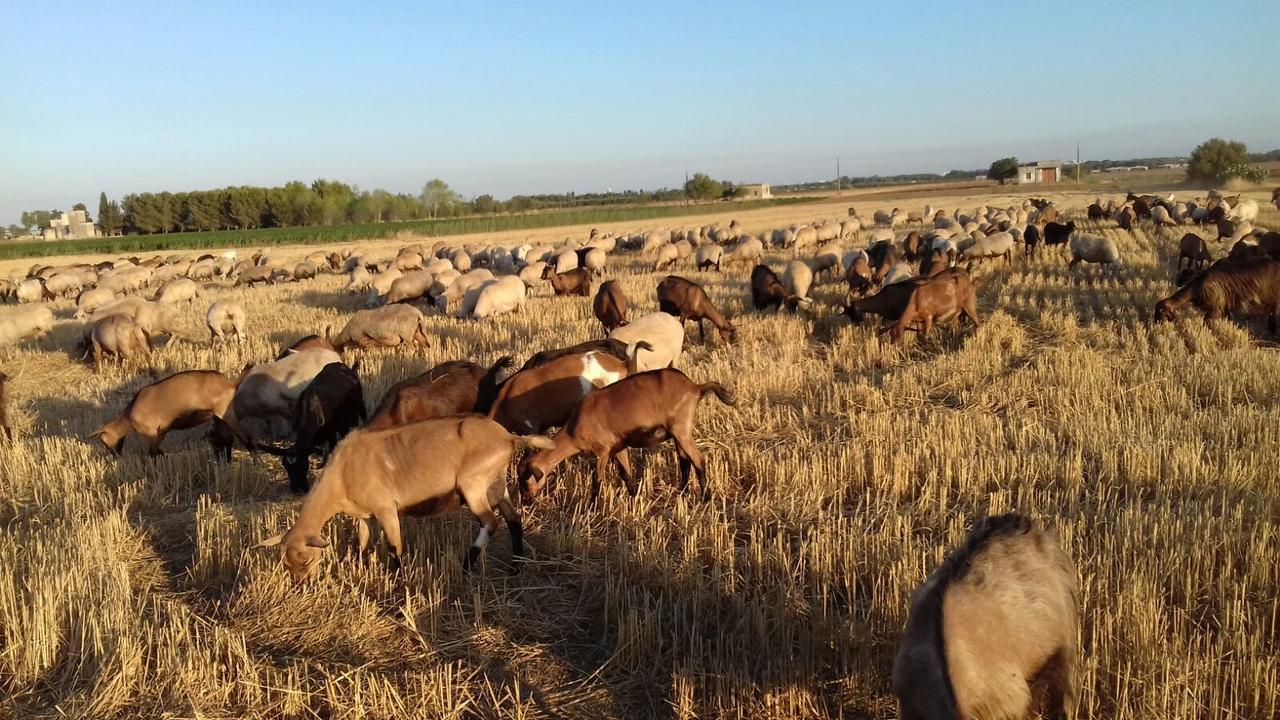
x=329, y=202
x=848, y=181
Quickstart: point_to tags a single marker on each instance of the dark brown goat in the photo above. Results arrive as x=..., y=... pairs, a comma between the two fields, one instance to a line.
x=456, y=387
x=1032, y=238
x=937, y=299
x=688, y=301
x=4, y=408
x=1194, y=254
x=544, y=396
x=639, y=411
x=611, y=346
x=307, y=343
x=888, y=303
x=331, y=406
x=884, y=255
x=1230, y=287
x=571, y=282
x=610, y=306
x=766, y=289
x=1095, y=212
x=1125, y=219
x=1058, y=234
x=912, y=248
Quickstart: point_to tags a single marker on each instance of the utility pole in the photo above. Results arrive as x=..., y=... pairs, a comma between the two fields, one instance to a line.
x=686, y=186
x=837, y=174
x=1077, y=163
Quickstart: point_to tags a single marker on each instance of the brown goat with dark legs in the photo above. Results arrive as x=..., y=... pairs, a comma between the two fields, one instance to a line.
x=688, y=301
x=571, y=282
x=1193, y=254
x=423, y=468
x=937, y=299
x=993, y=632
x=180, y=401
x=610, y=306
x=331, y=406
x=452, y=388
x=1230, y=287
x=542, y=397
x=889, y=303
x=767, y=290
x=639, y=411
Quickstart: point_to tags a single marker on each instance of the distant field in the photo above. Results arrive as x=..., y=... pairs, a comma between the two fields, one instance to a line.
x=324, y=235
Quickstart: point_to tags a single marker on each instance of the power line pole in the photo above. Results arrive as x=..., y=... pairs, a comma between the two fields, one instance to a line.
x=1077, y=163
x=837, y=174
x=686, y=186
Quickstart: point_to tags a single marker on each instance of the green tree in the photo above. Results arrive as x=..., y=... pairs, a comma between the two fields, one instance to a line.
x=702, y=187
x=36, y=219
x=1003, y=169
x=110, y=219
x=203, y=210
x=1214, y=159
x=439, y=199
x=484, y=204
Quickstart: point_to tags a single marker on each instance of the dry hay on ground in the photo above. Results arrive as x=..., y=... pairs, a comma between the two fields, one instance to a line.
x=127, y=588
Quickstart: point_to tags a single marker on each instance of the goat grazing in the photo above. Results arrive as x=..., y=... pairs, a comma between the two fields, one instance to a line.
x=688, y=301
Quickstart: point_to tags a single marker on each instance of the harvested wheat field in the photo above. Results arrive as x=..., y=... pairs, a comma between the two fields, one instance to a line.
x=846, y=470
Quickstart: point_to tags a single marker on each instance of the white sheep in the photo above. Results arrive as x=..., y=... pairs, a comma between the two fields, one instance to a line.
x=178, y=290
x=499, y=296
x=900, y=272
x=708, y=255
x=995, y=245
x=457, y=288
x=748, y=251
x=663, y=332
x=1246, y=211
x=24, y=323
x=667, y=257
x=1093, y=249
x=387, y=326
x=225, y=317
x=90, y=300
x=595, y=260
x=30, y=290
x=797, y=277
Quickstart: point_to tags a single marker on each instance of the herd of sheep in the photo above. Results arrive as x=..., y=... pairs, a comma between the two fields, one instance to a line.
x=448, y=436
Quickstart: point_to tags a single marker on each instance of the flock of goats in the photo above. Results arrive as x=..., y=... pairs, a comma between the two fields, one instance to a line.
x=448, y=436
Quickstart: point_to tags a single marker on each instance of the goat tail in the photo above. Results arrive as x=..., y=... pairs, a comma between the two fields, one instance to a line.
x=539, y=442
x=720, y=391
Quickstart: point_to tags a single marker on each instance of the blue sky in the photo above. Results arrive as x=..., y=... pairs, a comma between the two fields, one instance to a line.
x=513, y=98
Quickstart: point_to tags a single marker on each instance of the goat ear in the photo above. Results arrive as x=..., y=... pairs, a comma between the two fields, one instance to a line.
x=272, y=541
x=316, y=541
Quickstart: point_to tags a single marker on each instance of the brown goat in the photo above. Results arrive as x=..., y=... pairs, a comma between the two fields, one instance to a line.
x=688, y=301
x=937, y=261
x=937, y=299
x=180, y=401
x=1230, y=287
x=858, y=276
x=424, y=468
x=994, y=630
x=610, y=306
x=542, y=397
x=912, y=247
x=306, y=343
x=889, y=303
x=1193, y=253
x=452, y=388
x=639, y=411
x=571, y=282
x=611, y=346
x=767, y=290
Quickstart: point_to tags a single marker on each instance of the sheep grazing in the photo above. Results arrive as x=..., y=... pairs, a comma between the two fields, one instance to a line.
x=1160, y=216
x=708, y=256
x=767, y=291
x=154, y=318
x=408, y=288
x=1248, y=287
x=610, y=346
x=270, y=390
x=542, y=397
x=331, y=406
x=424, y=468
x=261, y=274
x=178, y=402
x=639, y=411
x=663, y=336
x=940, y=298
x=797, y=278
x=504, y=295
x=995, y=245
x=1093, y=249
x=993, y=629
x=23, y=324
x=571, y=282
x=178, y=290
x=386, y=326
x=1246, y=211
x=688, y=301
x=610, y=305
x=224, y=318
x=119, y=336
x=746, y=251
x=449, y=287
x=456, y=387
x=667, y=257
x=1193, y=254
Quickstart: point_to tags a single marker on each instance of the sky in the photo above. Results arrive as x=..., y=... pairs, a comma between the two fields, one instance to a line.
x=518, y=98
